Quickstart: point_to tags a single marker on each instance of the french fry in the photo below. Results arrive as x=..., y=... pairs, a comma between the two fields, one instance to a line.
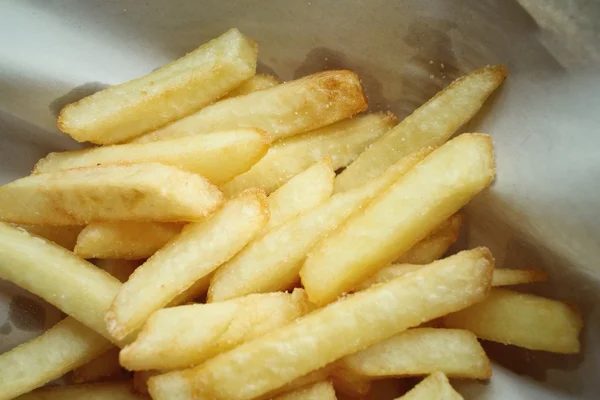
x=281, y=111
x=149, y=192
x=349, y=383
x=422, y=351
x=435, y=386
x=342, y=142
x=64, y=236
x=70, y=283
x=219, y=157
x=122, y=112
x=254, y=84
x=181, y=337
x=508, y=277
x=313, y=341
x=315, y=376
x=93, y=391
x=105, y=366
x=523, y=320
x=120, y=269
x=316, y=391
x=395, y=221
x=428, y=126
x=65, y=346
x=272, y=262
x=196, y=252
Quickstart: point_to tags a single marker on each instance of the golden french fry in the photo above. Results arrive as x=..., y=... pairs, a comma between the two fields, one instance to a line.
x=64, y=236
x=181, y=337
x=65, y=346
x=313, y=341
x=272, y=262
x=120, y=269
x=349, y=383
x=122, y=112
x=523, y=320
x=396, y=220
x=70, y=283
x=508, y=277
x=316, y=391
x=422, y=351
x=105, y=366
x=151, y=192
x=342, y=142
x=92, y=391
x=254, y=84
x=430, y=125
x=219, y=156
x=281, y=111
x=196, y=252
x=435, y=386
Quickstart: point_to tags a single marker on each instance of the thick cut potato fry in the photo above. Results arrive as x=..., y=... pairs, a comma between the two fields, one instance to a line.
x=317, y=391
x=523, y=320
x=272, y=262
x=349, y=383
x=105, y=366
x=281, y=111
x=122, y=112
x=181, y=337
x=254, y=84
x=92, y=391
x=64, y=236
x=65, y=346
x=430, y=125
x=435, y=386
x=395, y=221
x=422, y=351
x=75, y=286
x=313, y=341
x=196, y=252
x=219, y=157
x=120, y=269
x=146, y=192
x=508, y=277
x=124, y=240
x=342, y=142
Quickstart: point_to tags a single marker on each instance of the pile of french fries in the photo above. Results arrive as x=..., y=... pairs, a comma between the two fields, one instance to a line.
x=228, y=261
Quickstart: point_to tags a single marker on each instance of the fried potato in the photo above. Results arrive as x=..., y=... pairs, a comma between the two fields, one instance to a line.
x=422, y=351
x=181, y=337
x=64, y=236
x=313, y=341
x=272, y=262
x=316, y=391
x=395, y=221
x=315, y=376
x=508, y=277
x=93, y=391
x=349, y=383
x=122, y=112
x=150, y=192
x=105, y=366
x=523, y=320
x=430, y=125
x=435, y=386
x=120, y=269
x=342, y=142
x=75, y=286
x=219, y=157
x=281, y=111
x=196, y=252
x=65, y=346
x=254, y=84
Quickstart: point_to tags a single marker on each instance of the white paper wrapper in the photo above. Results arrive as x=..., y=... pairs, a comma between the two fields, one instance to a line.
x=542, y=210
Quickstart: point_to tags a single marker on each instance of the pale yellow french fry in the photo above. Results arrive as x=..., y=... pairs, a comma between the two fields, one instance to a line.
x=400, y=217
x=430, y=125
x=105, y=366
x=508, y=277
x=91, y=391
x=316, y=391
x=254, y=84
x=313, y=341
x=435, y=386
x=70, y=283
x=65, y=236
x=122, y=112
x=65, y=346
x=180, y=337
x=342, y=142
x=283, y=110
x=271, y=262
x=120, y=269
x=142, y=192
x=422, y=351
x=219, y=156
x=196, y=252
x=349, y=383
x=523, y=320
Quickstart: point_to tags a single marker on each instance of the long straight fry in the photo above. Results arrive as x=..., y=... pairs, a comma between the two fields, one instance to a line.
x=311, y=342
